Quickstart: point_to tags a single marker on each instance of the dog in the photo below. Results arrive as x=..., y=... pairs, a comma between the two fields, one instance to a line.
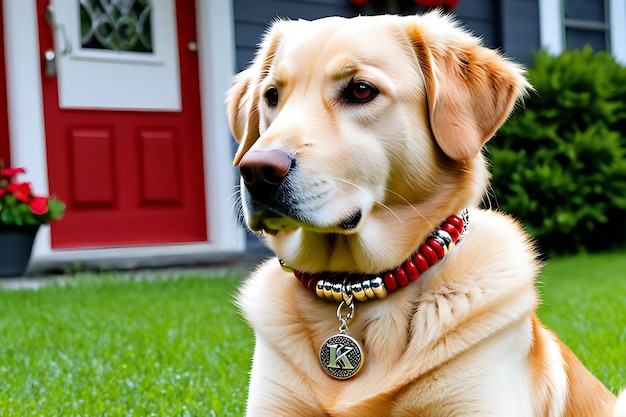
x=392, y=293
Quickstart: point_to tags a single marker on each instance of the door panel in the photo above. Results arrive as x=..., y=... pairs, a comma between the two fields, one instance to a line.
x=129, y=177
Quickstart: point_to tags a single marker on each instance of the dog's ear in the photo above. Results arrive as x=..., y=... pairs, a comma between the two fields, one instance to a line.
x=470, y=89
x=242, y=100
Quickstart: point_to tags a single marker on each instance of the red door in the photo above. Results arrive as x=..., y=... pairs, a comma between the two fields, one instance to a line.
x=129, y=177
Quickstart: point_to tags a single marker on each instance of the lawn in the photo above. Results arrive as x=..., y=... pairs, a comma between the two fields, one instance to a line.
x=109, y=346
x=117, y=347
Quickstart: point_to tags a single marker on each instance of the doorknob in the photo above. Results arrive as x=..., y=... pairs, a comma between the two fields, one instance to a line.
x=50, y=63
x=60, y=28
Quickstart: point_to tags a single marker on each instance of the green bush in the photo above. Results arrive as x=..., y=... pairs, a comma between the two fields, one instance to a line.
x=559, y=163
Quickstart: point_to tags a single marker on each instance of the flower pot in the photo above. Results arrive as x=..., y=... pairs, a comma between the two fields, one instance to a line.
x=16, y=243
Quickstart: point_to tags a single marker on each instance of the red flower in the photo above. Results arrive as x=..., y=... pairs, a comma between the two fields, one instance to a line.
x=3, y=191
x=9, y=172
x=21, y=190
x=39, y=205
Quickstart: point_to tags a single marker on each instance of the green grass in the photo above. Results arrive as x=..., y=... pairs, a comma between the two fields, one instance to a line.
x=102, y=345
x=114, y=347
x=584, y=302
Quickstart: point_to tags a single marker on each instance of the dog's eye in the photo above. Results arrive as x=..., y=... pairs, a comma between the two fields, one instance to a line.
x=271, y=96
x=359, y=92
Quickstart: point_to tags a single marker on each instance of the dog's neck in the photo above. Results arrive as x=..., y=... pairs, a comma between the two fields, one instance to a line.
x=335, y=286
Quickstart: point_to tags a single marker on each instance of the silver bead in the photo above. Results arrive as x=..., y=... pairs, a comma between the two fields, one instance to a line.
x=445, y=236
x=347, y=294
x=441, y=242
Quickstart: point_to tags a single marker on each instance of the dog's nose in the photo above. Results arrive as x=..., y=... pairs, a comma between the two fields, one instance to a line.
x=263, y=171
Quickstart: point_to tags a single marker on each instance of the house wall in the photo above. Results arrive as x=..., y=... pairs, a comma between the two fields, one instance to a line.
x=512, y=25
x=519, y=21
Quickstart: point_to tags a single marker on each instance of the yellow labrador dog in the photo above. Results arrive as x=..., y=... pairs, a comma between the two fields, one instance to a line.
x=393, y=294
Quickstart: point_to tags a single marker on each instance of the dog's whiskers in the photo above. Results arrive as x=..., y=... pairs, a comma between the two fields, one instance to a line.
x=237, y=204
x=490, y=199
x=409, y=204
x=380, y=204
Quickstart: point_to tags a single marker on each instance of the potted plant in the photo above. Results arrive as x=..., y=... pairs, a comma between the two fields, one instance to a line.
x=21, y=214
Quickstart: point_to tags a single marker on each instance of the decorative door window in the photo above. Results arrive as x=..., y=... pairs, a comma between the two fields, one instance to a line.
x=117, y=25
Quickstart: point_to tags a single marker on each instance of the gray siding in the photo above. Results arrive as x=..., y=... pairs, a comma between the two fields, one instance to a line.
x=253, y=16
x=481, y=17
x=512, y=25
x=519, y=20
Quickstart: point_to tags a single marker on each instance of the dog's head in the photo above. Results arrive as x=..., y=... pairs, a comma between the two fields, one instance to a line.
x=358, y=136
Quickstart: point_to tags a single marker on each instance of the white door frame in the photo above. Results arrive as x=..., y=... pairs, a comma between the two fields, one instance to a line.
x=216, y=49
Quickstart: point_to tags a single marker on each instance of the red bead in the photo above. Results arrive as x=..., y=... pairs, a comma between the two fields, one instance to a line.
x=457, y=222
x=437, y=247
x=390, y=281
x=297, y=273
x=401, y=277
x=454, y=234
x=430, y=254
x=311, y=284
x=411, y=270
x=304, y=279
x=420, y=262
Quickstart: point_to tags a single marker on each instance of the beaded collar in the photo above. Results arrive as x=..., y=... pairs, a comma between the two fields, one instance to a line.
x=341, y=356
x=336, y=286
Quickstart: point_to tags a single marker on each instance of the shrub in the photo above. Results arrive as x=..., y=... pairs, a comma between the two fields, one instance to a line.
x=559, y=163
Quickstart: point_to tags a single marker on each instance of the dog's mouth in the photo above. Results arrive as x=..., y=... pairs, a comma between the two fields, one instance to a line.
x=273, y=222
x=352, y=221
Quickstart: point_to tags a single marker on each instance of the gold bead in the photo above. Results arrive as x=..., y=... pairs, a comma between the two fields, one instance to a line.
x=357, y=291
x=367, y=289
x=319, y=288
x=328, y=290
x=337, y=292
x=378, y=286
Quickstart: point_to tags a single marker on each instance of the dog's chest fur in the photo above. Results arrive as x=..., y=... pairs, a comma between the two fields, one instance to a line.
x=483, y=293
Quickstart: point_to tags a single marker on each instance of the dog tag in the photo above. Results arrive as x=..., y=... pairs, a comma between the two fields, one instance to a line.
x=341, y=356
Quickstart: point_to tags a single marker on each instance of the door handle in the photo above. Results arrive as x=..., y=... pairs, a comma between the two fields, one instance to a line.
x=66, y=48
x=50, y=62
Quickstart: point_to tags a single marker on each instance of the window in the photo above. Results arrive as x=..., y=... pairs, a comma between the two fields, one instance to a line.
x=118, y=25
x=586, y=22
x=571, y=24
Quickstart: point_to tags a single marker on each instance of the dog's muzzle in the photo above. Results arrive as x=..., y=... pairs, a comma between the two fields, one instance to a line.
x=273, y=198
x=269, y=201
x=264, y=171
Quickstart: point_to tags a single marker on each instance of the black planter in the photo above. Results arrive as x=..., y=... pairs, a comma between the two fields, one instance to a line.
x=16, y=243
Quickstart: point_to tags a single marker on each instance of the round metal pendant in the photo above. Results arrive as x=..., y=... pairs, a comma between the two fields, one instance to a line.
x=341, y=356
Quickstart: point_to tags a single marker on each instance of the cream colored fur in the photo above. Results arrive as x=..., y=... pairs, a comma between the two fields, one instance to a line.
x=461, y=340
